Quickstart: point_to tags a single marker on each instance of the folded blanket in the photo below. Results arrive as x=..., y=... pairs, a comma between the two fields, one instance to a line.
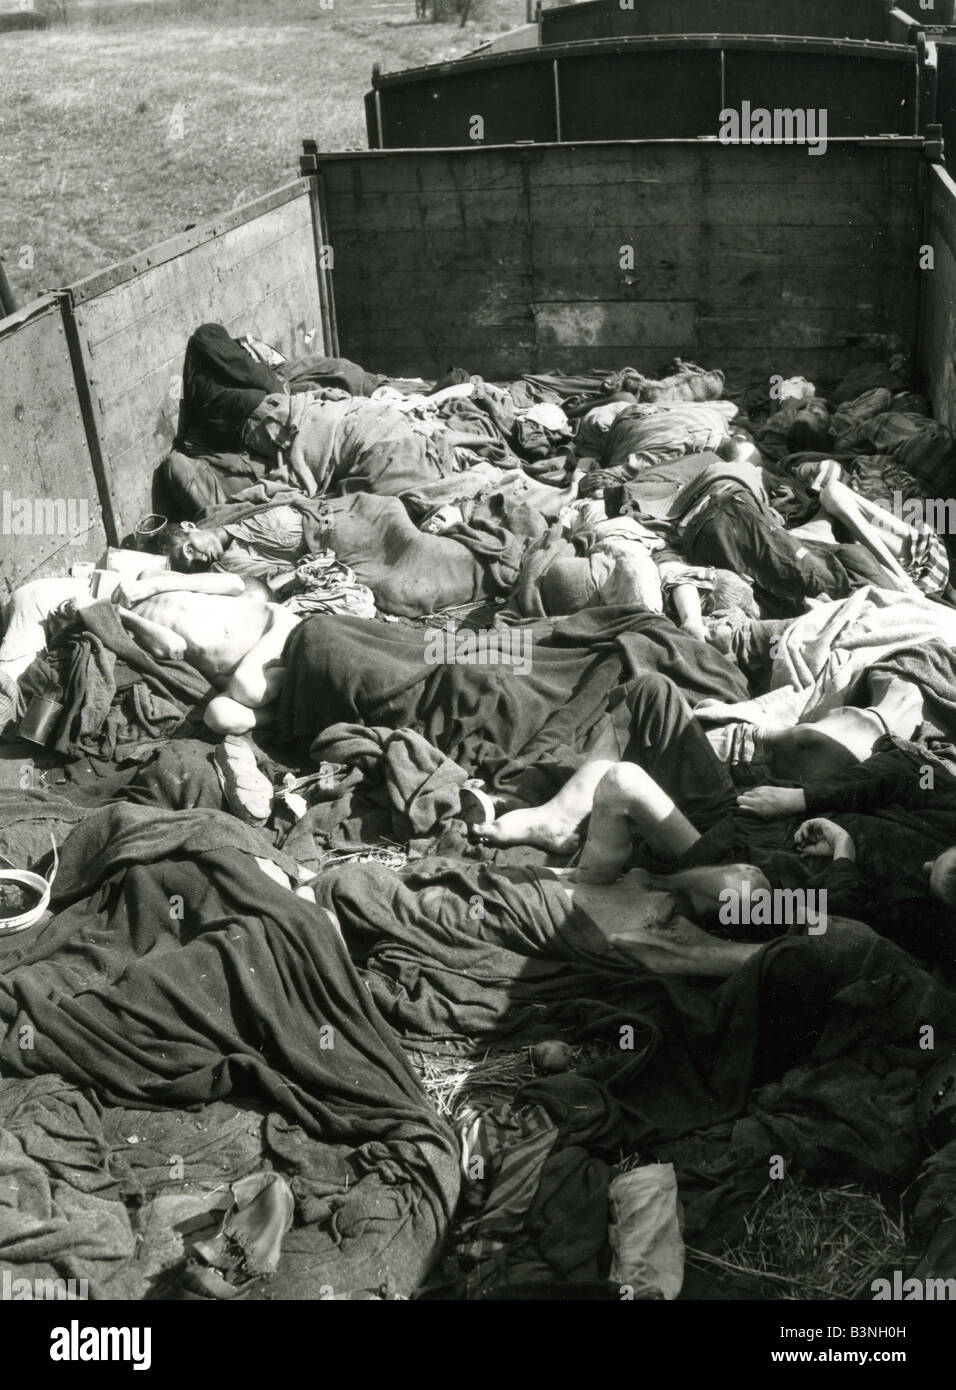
x=249, y=993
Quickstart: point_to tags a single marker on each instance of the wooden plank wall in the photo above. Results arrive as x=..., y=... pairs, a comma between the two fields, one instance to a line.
x=44, y=455
x=254, y=272
x=756, y=259
x=938, y=329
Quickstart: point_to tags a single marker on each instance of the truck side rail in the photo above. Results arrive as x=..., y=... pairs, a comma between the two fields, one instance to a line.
x=623, y=88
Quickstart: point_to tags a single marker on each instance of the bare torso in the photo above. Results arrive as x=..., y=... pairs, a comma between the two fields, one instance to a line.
x=218, y=630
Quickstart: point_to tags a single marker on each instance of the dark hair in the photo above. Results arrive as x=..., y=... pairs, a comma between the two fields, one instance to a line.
x=171, y=543
x=810, y=428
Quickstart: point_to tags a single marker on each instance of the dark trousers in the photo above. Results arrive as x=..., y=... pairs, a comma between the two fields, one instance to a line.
x=670, y=744
x=736, y=533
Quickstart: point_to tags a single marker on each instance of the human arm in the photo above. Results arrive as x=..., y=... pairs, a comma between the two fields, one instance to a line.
x=133, y=591
x=161, y=642
x=878, y=781
x=686, y=601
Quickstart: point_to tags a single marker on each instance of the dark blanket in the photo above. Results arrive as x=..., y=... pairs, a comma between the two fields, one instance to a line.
x=490, y=719
x=115, y=695
x=315, y=371
x=182, y=975
x=469, y=955
x=899, y=807
x=811, y=1051
x=183, y=484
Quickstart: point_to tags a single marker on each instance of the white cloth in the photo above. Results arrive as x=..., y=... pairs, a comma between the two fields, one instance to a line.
x=645, y=1231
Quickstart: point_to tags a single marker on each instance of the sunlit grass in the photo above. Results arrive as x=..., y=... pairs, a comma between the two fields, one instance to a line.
x=91, y=165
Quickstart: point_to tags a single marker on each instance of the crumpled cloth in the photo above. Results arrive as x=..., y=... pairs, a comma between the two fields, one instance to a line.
x=116, y=694
x=250, y=994
x=324, y=585
x=685, y=382
x=421, y=784
x=645, y=1231
x=818, y=656
x=643, y=435
x=249, y=1242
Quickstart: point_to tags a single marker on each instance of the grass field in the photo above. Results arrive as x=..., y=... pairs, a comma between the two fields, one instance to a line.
x=139, y=117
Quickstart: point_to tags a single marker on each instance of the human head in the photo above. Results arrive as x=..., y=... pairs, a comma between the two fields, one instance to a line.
x=739, y=448
x=941, y=873
x=809, y=428
x=808, y=471
x=190, y=547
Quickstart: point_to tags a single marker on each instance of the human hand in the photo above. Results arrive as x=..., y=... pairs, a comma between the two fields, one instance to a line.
x=822, y=839
x=771, y=803
x=303, y=476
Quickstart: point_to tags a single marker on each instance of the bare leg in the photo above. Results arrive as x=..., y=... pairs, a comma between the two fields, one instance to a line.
x=555, y=826
x=629, y=799
x=257, y=679
x=882, y=518
x=701, y=887
x=885, y=543
x=227, y=716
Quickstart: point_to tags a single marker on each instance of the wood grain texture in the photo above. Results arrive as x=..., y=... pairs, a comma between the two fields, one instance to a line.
x=43, y=448
x=259, y=277
x=938, y=326
x=760, y=253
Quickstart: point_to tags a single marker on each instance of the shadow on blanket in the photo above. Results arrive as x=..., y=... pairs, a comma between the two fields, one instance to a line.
x=177, y=975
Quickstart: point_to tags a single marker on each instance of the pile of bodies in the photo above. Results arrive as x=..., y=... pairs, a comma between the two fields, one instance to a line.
x=595, y=715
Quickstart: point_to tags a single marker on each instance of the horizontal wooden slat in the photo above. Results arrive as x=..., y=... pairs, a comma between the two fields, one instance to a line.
x=747, y=253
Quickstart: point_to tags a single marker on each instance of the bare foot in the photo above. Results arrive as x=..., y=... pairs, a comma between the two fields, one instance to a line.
x=532, y=825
